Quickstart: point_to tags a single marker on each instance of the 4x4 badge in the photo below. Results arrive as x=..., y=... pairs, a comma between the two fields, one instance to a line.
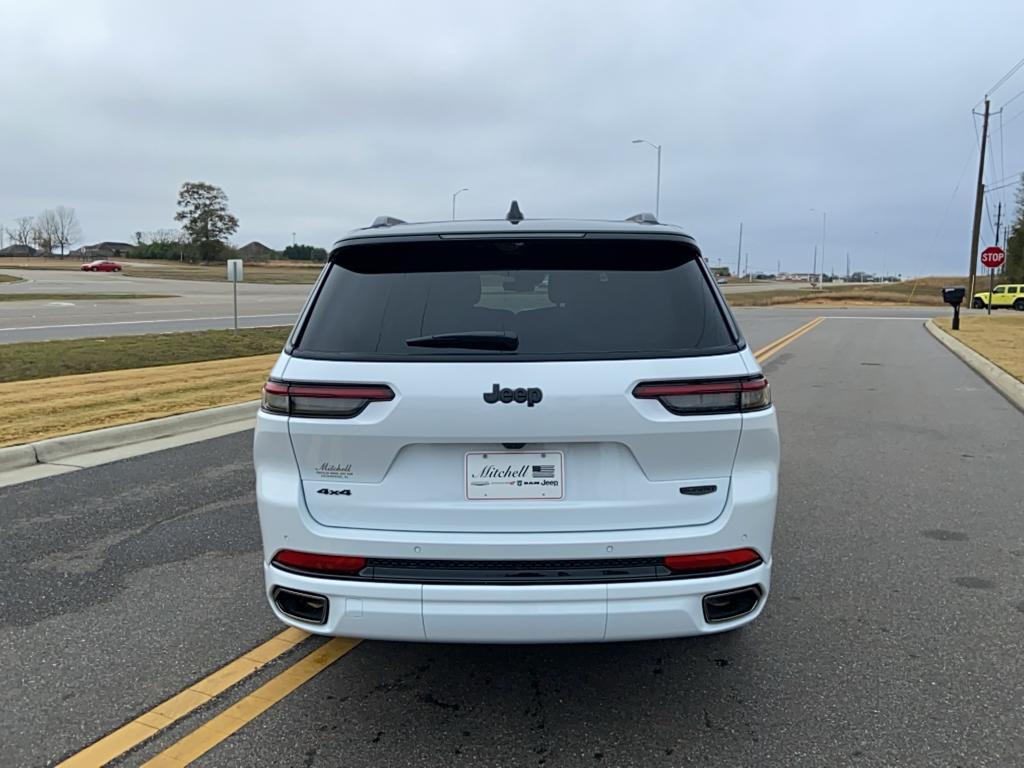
x=530, y=396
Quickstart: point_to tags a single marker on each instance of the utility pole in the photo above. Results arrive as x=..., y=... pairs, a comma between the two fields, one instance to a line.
x=739, y=251
x=814, y=264
x=847, y=266
x=991, y=271
x=778, y=268
x=979, y=198
x=749, y=276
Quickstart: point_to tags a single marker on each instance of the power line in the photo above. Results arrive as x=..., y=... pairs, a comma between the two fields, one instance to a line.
x=1002, y=159
x=999, y=186
x=952, y=197
x=1011, y=178
x=1011, y=119
x=992, y=163
x=1013, y=98
x=1012, y=71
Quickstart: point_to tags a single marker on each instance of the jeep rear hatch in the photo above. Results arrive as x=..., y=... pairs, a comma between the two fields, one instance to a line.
x=439, y=362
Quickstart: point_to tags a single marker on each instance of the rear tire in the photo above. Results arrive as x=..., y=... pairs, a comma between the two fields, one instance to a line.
x=1019, y=305
x=977, y=304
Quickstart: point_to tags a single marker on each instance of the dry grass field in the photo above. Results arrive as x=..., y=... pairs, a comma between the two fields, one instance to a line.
x=1000, y=338
x=925, y=291
x=63, y=405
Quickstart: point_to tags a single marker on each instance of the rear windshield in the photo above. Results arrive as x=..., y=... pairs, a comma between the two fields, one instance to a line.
x=531, y=299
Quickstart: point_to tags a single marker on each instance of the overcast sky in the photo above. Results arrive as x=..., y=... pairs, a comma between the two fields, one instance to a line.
x=316, y=117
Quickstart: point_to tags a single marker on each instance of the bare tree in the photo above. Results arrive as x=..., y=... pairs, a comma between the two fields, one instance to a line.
x=44, y=231
x=66, y=229
x=21, y=232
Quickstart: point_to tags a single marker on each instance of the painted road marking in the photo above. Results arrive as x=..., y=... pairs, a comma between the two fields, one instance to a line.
x=767, y=351
x=291, y=316
x=214, y=731
x=149, y=724
x=877, y=317
x=211, y=733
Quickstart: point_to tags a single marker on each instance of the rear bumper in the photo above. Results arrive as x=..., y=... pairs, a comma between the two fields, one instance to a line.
x=519, y=614
x=522, y=613
x=525, y=613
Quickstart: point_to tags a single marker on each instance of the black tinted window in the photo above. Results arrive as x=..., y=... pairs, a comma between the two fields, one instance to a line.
x=561, y=299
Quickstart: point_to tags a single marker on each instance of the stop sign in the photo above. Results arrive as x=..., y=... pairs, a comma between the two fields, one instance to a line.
x=993, y=257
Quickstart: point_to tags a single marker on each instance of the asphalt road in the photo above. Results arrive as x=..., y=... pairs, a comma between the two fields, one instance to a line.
x=892, y=636
x=198, y=305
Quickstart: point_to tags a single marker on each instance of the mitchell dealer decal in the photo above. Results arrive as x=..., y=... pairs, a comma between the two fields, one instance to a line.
x=334, y=470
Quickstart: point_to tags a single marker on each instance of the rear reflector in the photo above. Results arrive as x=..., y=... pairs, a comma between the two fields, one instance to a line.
x=713, y=562
x=704, y=397
x=309, y=562
x=322, y=401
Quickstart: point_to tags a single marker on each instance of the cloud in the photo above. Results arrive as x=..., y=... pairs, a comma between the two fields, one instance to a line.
x=316, y=118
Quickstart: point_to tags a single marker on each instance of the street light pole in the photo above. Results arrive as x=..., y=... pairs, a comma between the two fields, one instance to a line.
x=455, y=195
x=657, y=189
x=824, y=225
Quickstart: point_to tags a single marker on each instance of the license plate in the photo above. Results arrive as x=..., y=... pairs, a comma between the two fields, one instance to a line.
x=515, y=475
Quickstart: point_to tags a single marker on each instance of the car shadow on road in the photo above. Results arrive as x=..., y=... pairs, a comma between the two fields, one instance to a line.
x=537, y=705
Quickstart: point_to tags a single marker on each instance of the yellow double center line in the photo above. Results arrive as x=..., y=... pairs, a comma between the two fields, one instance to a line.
x=214, y=731
x=147, y=725
x=765, y=352
x=211, y=733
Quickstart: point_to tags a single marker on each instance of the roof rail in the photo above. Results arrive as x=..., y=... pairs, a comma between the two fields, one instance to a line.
x=386, y=221
x=644, y=218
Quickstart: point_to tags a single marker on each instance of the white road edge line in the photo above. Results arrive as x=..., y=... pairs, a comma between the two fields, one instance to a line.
x=876, y=317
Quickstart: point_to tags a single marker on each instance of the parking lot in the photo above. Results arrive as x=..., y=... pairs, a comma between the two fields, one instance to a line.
x=892, y=636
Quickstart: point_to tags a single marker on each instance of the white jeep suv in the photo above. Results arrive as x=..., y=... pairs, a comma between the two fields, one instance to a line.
x=516, y=431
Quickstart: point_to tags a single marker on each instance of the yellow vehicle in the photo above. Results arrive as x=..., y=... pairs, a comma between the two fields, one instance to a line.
x=1002, y=296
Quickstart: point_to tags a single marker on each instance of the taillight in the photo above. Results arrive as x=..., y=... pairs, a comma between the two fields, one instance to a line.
x=323, y=401
x=713, y=562
x=329, y=565
x=703, y=397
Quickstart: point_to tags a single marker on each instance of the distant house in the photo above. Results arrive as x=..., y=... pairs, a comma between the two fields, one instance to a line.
x=20, y=251
x=108, y=249
x=256, y=251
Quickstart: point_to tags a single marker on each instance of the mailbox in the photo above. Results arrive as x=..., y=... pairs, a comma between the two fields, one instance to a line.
x=954, y=295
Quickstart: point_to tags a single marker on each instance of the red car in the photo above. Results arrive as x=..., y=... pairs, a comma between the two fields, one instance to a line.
x=101, y=266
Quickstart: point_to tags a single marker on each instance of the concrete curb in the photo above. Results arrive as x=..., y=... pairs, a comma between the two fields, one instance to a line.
x=1003, y=382
x=55, y=448
x=16, y=457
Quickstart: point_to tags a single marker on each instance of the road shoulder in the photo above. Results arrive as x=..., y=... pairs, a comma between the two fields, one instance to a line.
x=1003, y=382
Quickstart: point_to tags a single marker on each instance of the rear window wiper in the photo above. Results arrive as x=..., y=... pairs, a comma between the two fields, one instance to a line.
x=504, y=340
